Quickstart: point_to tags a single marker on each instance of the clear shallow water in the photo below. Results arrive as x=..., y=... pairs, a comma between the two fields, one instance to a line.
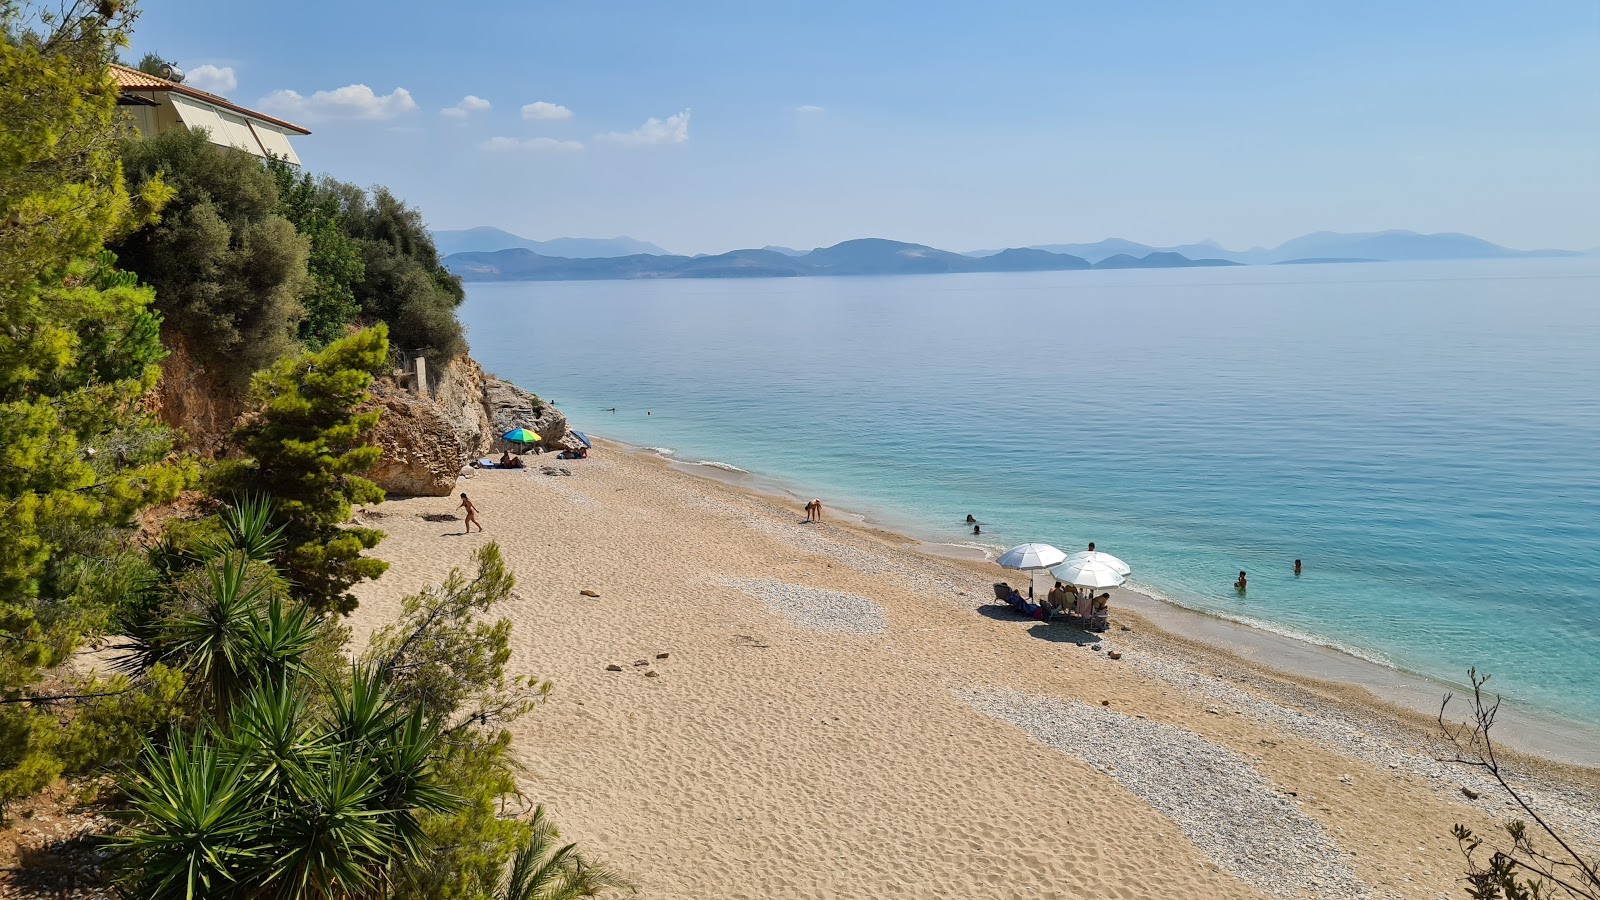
x=1425, y=436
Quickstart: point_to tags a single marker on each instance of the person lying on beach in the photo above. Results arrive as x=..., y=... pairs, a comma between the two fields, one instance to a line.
x=580, y=453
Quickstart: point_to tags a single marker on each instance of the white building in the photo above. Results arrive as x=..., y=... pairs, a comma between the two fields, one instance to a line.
x=156, y=105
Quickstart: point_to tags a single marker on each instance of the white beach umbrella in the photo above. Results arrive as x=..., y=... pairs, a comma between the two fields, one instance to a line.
x=1031, y=558
x=1091, y=570
x=1121, y=567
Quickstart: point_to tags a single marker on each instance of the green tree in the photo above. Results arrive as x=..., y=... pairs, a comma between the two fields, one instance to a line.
x=335, y=262
x=404, y=283
x=79, y=349
x=151, y=64
x=228, y=270
x=306, y=448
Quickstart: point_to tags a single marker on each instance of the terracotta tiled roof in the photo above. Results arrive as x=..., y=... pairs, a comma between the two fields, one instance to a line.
x=134, y=80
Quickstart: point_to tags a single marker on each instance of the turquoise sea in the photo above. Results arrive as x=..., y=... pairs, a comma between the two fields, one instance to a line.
x=1425, y=436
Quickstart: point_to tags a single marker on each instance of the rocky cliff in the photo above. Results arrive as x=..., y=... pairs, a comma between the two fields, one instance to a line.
x=427, y=436
x=196, y=399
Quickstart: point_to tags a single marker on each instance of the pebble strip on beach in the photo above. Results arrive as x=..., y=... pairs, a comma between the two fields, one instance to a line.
x=1214, y=796
x=813, y=608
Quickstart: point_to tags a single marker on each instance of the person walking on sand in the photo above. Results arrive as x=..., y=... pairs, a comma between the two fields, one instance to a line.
x=472, y=515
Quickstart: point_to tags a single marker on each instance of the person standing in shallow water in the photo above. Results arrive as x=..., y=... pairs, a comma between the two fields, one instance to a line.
x=1297, y=568
x=1240, y=584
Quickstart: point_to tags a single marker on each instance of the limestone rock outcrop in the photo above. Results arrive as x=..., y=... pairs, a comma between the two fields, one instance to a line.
x=427, y=436
x=422, y=453
x=511, y=407
x=460, y=396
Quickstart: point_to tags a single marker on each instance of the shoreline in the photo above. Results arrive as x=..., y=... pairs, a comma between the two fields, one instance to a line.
x=1535, y=732
x=834, y=711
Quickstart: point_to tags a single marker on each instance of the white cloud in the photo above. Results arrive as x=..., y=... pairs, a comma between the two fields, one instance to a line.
x=468, y=105
x=353, y=101
x=217, y=80
x=533, y=145
x=541, y=111
x=810, y=110
x=675, y=130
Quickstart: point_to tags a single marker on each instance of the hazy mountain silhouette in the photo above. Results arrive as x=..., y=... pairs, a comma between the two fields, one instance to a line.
x=1329, y=246
x=486, y=238
x=868, y=256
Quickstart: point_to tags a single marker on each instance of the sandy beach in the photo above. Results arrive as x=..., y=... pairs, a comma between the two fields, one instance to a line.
x=823, y=711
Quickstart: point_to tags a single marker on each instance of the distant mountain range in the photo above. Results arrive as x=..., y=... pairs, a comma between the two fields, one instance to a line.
x=1322, y=246
x=490, y=254
x=485, y=238
x=868, y=256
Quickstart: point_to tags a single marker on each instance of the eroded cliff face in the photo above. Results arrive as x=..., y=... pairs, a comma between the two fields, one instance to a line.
x=426, y=437
x=197, y=399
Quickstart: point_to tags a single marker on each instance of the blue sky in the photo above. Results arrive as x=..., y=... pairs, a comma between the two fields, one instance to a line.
x=709, y=126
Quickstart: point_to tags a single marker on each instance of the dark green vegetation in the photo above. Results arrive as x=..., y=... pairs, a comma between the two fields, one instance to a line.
x=79, y=347
x=306, y=448
x=247, y=753
x=249, y=261
x=870, y=256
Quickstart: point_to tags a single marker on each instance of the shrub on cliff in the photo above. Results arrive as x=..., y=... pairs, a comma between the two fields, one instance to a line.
x=335, y=260
x=228, y=270
x=305, y=446
x=78, y=349
x=404, y=284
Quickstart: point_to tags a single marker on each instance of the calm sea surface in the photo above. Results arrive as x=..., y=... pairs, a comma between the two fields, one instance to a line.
x=1425, y=436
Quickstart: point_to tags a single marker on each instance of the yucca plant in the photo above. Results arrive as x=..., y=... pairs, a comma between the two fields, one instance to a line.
x=288, y=800
x=197, y=826
x=541, y=870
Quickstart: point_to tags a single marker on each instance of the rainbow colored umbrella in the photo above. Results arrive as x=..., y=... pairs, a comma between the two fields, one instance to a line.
x=520, y=436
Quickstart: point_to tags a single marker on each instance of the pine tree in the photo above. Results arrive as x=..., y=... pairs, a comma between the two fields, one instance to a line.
x=79, y=349
x=306, y=449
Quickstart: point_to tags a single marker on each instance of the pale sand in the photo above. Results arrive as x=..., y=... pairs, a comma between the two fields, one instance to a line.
x=844, y=715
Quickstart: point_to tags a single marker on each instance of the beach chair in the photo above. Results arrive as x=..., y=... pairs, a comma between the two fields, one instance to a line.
x=1001, y=591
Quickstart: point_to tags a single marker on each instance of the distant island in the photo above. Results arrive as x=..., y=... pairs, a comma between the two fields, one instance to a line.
x=492, y=254
x=866, y=256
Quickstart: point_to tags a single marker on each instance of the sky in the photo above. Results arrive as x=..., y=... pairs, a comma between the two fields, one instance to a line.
x=705, y=127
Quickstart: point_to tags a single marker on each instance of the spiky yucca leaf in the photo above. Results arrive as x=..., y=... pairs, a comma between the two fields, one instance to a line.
x=198, y=827
x=541, y=870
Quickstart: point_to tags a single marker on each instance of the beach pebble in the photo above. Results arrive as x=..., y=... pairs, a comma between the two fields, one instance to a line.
x=652, y=673
x=1346, y=779
x=1115, y=654
x=1095, y=648
x=661, y=656
x=1243, y=823
x=613, y=668
x=588, y=593
x=641, y=662
x=1105, y=702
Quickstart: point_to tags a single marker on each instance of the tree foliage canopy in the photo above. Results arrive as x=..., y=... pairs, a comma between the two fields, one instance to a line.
x=228, y=270
x=78, y=350
x=306, y=448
